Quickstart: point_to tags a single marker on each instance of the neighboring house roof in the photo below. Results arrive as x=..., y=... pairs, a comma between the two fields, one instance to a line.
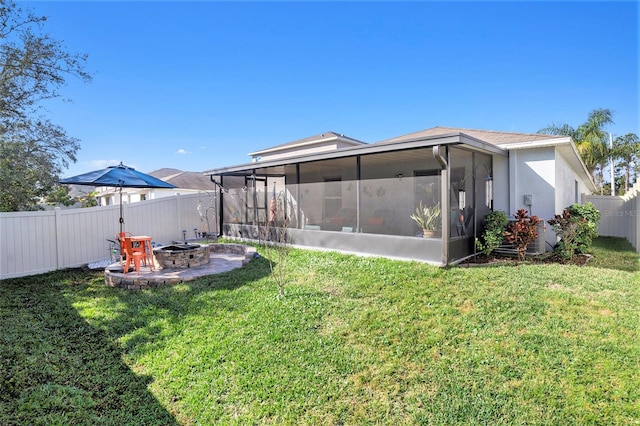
x=311, y=140
x=184, y=180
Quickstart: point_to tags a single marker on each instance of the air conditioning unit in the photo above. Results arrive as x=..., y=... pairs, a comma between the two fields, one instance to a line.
x=539, y=246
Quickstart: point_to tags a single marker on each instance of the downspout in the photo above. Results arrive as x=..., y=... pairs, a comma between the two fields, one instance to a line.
x=358, y=194
x=440, y=154
x=300, y=220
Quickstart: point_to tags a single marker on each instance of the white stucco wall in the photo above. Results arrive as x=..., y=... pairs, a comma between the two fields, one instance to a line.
x=566, y=181
x=501, y=183
x=533, y=172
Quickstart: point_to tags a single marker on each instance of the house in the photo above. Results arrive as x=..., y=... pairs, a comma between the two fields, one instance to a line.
x=327, y=141
x=185, y=183
x=359, y=197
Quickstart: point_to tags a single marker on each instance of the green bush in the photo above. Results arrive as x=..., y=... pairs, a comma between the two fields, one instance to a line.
x=586, y=234
x=494, y=225
x=567, y=228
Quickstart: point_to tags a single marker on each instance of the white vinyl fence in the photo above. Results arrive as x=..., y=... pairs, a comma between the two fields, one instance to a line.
x=37, y=242
x=620, y=216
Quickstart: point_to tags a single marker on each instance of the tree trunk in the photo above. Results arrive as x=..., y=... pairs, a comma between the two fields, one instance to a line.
x=626, y=179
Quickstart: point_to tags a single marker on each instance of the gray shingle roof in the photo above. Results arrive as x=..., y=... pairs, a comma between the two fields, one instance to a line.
x=184, y=180
x=489, y=136
x=310, y=140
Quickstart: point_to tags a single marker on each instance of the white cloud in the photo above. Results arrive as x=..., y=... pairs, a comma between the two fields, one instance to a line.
x=182, y=152
x=102, y=164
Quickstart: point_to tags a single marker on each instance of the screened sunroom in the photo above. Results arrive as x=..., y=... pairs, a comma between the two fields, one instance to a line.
x=365, y=199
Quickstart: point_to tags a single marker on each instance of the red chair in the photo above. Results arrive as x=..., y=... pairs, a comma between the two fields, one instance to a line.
x=134, y=254
x=120, y=236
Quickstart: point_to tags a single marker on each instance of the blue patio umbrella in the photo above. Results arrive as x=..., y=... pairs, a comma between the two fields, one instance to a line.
x=119, y=176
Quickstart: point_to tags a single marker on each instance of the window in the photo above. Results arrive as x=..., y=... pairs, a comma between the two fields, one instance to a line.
x=332, y=196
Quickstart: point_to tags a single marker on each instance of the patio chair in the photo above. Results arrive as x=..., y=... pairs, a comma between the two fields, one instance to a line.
x=345, y=217
x=380, y=222
x=120, y=236
x=134, y=253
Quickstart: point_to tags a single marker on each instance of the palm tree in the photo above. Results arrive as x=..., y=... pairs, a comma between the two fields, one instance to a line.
x=627, y=149
x=590, y=139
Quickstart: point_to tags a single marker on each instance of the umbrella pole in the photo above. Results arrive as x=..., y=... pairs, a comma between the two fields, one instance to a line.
x=121, y=225
x=121, y=213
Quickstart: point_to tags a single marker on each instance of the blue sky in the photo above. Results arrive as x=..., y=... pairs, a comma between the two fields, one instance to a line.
x=198, y=85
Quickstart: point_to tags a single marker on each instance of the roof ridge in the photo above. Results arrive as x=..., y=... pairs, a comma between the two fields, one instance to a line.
x=467, y=129
x=462, y=129
x=308, y=140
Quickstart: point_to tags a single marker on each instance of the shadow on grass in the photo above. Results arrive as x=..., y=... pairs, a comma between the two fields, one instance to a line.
x=55, y=368
x=145, y=315
x=614, y=253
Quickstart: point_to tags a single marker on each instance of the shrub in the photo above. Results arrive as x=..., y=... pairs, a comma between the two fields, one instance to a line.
x=567, y=227
x=493, y=234
x=522, y=232
x=587, y=233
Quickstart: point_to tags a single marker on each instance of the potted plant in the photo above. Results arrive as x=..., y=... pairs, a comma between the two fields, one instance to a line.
x=428, y=218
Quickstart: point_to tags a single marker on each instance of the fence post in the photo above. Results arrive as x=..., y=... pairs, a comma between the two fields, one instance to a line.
x=58, y=224
x=636, y=214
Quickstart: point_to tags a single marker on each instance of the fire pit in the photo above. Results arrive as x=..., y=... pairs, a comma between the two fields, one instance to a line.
x=182, y=255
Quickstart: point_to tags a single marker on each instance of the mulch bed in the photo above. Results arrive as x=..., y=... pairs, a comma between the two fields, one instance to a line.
x=547, y=258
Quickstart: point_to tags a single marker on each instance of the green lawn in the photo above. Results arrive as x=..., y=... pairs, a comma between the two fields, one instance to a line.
x=355, y=341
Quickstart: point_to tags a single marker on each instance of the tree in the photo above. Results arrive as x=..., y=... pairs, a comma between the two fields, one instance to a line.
x=33, y=67
x=31, y=160
x=88, y=199
x=619, y=182
x=590, y=139
x=626, y=149
x=59, y=195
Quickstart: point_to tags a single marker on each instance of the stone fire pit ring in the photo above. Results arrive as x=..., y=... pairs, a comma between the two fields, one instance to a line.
x=223, y=258
x=182, y=255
